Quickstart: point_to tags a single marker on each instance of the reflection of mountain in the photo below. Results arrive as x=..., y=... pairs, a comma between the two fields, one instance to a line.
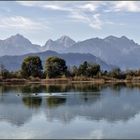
x=111, y=103
x=13, y=111
x=73, y=106
x=119, y=106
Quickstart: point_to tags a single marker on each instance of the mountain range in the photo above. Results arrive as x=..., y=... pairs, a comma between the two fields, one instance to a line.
x=17, y=45
x=119, y=51
x=59, y=45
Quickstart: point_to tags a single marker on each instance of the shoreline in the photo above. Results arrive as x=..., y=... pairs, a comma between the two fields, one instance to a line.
x=65, y=81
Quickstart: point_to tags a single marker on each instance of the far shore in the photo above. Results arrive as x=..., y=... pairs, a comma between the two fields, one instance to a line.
x=66, y=80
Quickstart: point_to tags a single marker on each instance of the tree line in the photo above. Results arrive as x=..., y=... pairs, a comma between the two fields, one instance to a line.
x=56, y=67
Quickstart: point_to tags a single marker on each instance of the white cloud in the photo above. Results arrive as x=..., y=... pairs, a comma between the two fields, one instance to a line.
x=93, y=21
x=96, y=22
x=125, y=6
x=61, y=6
x=85, y=11
x=5, y=9
x=96, y=134
x=30, y=3
x=77, y=10
x=128, y=6
x=90, y=6
x=55, y=7
x=19, y=22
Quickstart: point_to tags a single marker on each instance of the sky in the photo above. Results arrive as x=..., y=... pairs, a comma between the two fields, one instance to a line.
x=42, y=20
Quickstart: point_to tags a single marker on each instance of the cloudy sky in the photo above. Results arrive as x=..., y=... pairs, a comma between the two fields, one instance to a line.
x=42, y=20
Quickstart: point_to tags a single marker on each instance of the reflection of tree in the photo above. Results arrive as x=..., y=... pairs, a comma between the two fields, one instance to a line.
x=90, y=96
x=118, y=86
x=32, y=88
x=82, y=87
x=32, y=102
x=55, y=101
x=56, y=88
x=85, y=100
x=9, y=88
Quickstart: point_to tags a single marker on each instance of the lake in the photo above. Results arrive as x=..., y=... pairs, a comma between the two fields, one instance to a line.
x=81, y=110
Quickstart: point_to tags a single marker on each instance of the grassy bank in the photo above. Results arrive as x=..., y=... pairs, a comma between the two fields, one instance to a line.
x=70, y=80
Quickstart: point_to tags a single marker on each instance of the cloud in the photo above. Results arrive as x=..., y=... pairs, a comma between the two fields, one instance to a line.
x=89, y=12
x=30, y=3
x=55, y=7
x=89, y=6
x=93, y=21
x=125, y=6
x=77, y=10
x=5, y=9
x=96, y=22
x=19, y=22
x=61, y=6
x=96, y=134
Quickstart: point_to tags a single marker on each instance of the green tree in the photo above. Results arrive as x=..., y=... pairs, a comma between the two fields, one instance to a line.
x=93, y=70
x=82, y=70
x=74, y=71
x=55, y=67
x=31, y=66
x=4, y=73
x=116, y=73
x=88, y=69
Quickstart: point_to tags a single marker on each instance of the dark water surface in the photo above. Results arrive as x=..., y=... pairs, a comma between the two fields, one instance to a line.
x=70, y=111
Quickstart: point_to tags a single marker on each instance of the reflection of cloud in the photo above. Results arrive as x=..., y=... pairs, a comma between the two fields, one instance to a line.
x=109, y=104
x=92, y=118
x=96, y=134
x=110, y=107
x=12, y=110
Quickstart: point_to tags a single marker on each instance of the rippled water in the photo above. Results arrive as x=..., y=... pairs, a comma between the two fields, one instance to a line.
x=70, y=111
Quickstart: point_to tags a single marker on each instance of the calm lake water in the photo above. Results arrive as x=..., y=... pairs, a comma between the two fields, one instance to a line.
x=70, y=111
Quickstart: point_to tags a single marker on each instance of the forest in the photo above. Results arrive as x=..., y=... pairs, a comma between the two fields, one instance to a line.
x=55, y=67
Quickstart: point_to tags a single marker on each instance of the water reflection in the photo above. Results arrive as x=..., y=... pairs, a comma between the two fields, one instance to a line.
x=111, y=103
x=55, y=101
x=32, y=102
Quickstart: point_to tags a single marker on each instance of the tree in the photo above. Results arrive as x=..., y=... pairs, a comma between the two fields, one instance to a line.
x=116, y=73
x=4, y=73
x=93, y=69
x=83, y=69
x=74, y=71
x=55, y=67
x=88, y=69
x=31, y=66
